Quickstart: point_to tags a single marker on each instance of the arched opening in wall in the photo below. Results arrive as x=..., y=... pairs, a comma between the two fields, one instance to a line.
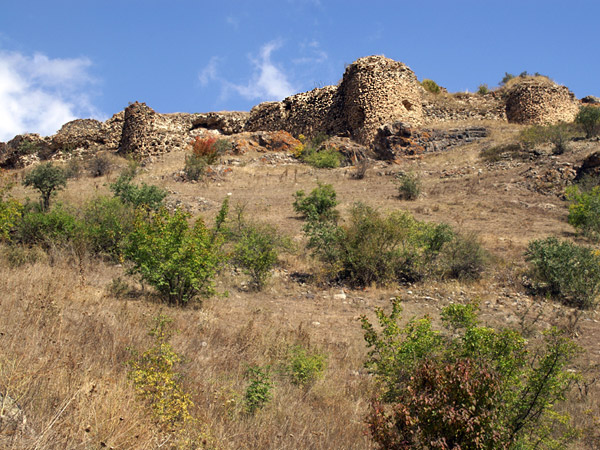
x=408, y=105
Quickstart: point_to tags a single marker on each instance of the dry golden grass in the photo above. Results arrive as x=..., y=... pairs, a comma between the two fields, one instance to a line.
x=64, y=337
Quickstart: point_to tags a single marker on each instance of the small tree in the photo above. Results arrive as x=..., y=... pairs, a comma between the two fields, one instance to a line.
x=47, y=179
x=468, y=386
x=588, y=118
x=179, y=261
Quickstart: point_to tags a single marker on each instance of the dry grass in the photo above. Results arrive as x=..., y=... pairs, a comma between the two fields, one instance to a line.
x=64, y=338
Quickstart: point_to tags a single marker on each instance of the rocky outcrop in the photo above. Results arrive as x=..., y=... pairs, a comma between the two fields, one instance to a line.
x=264, y=141
x=23, y=150
x=538, y=100
x=399, y=139
x=590, y=99
x=227, y=122
x=590, y=167
x=79, y=134
x=148, y=133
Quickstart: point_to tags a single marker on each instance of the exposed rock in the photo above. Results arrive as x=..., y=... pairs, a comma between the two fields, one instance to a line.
x=398, y=139
x=12, y=418
x=264, y=141
x=148, y=133
x=81, y=133
x=23, y=150
x=589, y=167
x=227, y=122
x=350, y=149
x=590, y=99
x=538, y=100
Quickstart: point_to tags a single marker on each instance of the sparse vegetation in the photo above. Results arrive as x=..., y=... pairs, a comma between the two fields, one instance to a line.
x=469, y=386
x=584, y=210
x=312, y=152
x=558, y=135
x=409, y=186
x=47, y=179
x=305, y=367
x=566, y=271
x=510, y=150
x=259, y=391
x=99, y=165
x=431, y=86
x=318, y=205
x=588, y=118
x=149, y=197
x=483, y=89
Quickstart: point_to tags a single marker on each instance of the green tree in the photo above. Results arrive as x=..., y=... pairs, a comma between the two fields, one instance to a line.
x=467, y=386
x=178, y=260
x=47, y=179
x=146, y=196
x=588, y=118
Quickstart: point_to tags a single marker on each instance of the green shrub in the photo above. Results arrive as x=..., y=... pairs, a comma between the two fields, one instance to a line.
x=467, y=386
x=305, y=367
x=506, y=78
x=56, y=227
x=319, y=204
x=565, y=271
x=483, y=89
x=178, y=261
x=588, y=118
x=146, y=196
x=258, y=393
x=431, y=86
x=10, y=214
x=155, y=380
x=409, y=186
x=462, y=257
x=584, y=210
x=20, y=255
x=195, y=167
x=328, y=158
x=108, y=222
x=256, y=252
x=47, y=179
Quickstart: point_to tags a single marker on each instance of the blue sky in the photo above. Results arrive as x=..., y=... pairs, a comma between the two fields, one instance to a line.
x=64, y=59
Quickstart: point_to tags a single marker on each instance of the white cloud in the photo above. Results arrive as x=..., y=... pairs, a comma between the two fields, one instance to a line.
x=267, y=81
x=39, y=94
x=312, y=54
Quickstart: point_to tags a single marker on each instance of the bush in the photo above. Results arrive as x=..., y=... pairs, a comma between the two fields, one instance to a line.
x=462, y=257
x=468, y=386
x=558, y=135
x=56, y=227
x=195, y=167
x=178, y=261
x=584, y=210
x=47, y=179
x=99, y=165
x=318, y=205
x=146, y=196
x=256, y=252
x=155, y=380
x=375, y=249
x=431, y=86
x=409, y=186
x=328, y=158
x=108, y=222
x=588, y=118
x=483, y=89
x=10, y=213
x=305, y=367
x=565, y=271
x=258, y=393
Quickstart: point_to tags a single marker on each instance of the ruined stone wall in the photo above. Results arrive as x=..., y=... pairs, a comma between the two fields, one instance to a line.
x=538, y=100
x=463, y=107
x=307, y=113
x=146, y=133
x=376, y=90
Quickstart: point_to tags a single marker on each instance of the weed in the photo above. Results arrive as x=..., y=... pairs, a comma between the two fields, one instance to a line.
x=483, y=89
x=99, y=166
x=409, y=186
x=305, y=367
x=259, y=391
x=431, y=86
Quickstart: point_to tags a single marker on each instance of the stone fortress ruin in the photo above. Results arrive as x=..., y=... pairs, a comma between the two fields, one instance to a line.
x=379, y=104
